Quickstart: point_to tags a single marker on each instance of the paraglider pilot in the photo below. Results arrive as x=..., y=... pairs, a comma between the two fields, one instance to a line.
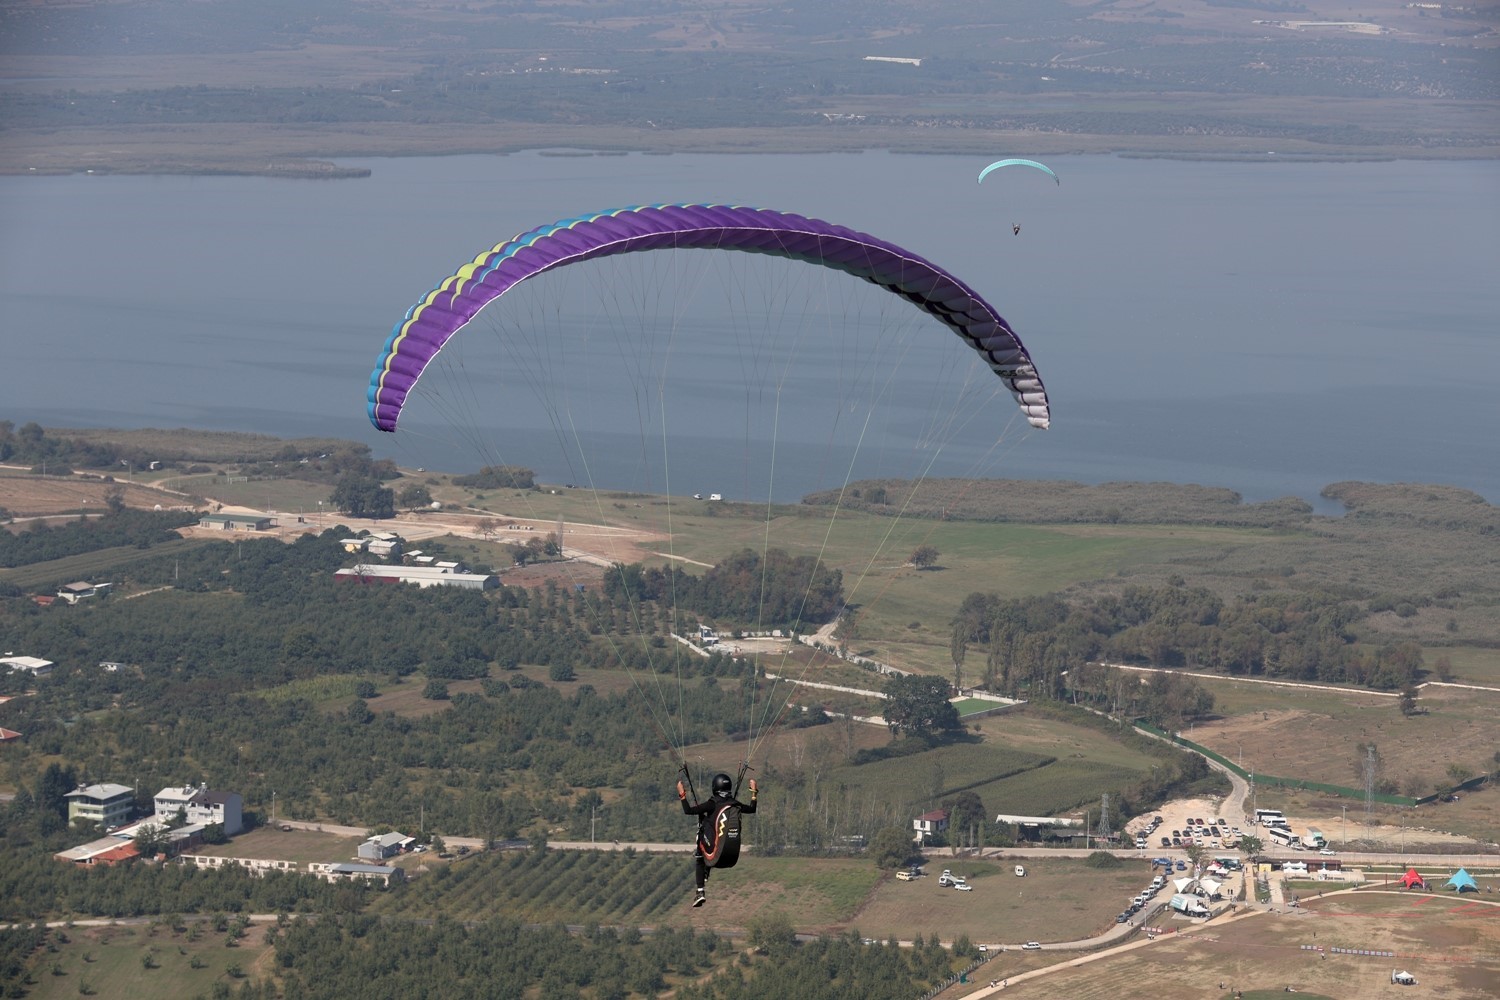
x=718, y=844
x=1015, y=230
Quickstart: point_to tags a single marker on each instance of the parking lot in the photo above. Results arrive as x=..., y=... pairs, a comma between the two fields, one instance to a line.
x=1182, y=816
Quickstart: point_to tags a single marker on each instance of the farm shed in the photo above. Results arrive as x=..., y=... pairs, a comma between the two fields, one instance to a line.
x=235, y=522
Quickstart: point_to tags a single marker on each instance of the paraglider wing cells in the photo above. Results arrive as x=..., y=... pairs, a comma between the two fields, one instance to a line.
x=1018, y=163
x=429, y=324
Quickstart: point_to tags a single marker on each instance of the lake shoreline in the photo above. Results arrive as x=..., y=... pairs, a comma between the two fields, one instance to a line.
x=317, y=152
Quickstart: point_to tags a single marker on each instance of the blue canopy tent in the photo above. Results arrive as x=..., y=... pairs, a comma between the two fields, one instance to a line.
x=1462, y=881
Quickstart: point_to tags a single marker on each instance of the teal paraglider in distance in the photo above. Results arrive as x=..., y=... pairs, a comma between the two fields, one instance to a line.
x=1018, y=163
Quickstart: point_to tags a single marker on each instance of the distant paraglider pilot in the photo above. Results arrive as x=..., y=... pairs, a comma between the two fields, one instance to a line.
x=1015, y=230
x=718, y=844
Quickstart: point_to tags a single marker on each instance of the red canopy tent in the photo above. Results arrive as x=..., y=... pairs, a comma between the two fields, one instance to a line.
x=1411, y=878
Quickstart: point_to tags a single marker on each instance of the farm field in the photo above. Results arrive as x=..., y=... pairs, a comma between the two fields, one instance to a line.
x=269, y=495
x=28, y=495
x=1059, y=900
x=90, y=565
x=905, y=611
x=1452, y=947
x=940, y=772
x=405, y=698
x=301, y=846
x=1471, y=664
x=111, y=963
x=1316, y=734
x=829, y=745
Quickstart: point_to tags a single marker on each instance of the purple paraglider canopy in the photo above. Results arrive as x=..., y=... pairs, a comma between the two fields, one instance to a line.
x=428, y=325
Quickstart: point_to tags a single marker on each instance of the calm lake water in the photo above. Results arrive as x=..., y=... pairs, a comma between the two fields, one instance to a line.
x=1269, y=327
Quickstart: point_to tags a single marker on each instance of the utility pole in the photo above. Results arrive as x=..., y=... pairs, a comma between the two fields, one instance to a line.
x=592, y=809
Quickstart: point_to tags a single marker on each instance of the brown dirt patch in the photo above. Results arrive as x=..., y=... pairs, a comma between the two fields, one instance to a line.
x=1322, y=744
x=35, y=496
x=407, y=699
x=1452, y=951
x=1058, y=900
x=567, y=575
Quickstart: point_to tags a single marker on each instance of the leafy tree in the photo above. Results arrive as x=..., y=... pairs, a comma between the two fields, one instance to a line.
x=847, y=630
x=772, y=933
x=151, y=839
x=919, y=706
x=496, y=477
x=436, y=690
x=966, y=817
x=1251, y=846
x=924, y=556
x=51, y=796
x=1102, y=859
x=1407, y=701
x=415, y=497
x=363, y=496
x=891, y=848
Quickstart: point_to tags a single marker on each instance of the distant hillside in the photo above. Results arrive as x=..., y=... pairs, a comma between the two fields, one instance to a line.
x=281, y=87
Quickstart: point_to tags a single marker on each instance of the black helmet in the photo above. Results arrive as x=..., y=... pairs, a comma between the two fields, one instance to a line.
x=723, y=784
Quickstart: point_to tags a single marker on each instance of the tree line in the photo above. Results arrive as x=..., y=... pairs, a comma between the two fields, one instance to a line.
x=745, y=590
x=1050, y=646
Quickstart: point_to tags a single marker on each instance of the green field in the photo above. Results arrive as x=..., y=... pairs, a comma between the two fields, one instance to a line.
x=302, y=846
x=284, y=496
x=148, y=960
x=940, y=772
x=91, y=565
x=818, y=894
x=904, y=612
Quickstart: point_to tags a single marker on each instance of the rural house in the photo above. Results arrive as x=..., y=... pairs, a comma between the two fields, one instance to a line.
x=36, y=666
x=201, y=807
x=105, y=804
x=930, y=824
x=83, y=590
x=235, y=522
x=385, y=845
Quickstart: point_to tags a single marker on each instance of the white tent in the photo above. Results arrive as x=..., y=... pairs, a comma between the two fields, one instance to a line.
x=1209, y=887
x=1182, y=884
x=1404, y=978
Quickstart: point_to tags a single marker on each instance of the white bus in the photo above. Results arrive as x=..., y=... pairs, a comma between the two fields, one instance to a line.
x=1282, y=836
x=1270, y=817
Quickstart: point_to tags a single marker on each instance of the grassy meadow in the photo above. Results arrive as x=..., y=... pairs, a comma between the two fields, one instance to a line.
x=123, y=962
